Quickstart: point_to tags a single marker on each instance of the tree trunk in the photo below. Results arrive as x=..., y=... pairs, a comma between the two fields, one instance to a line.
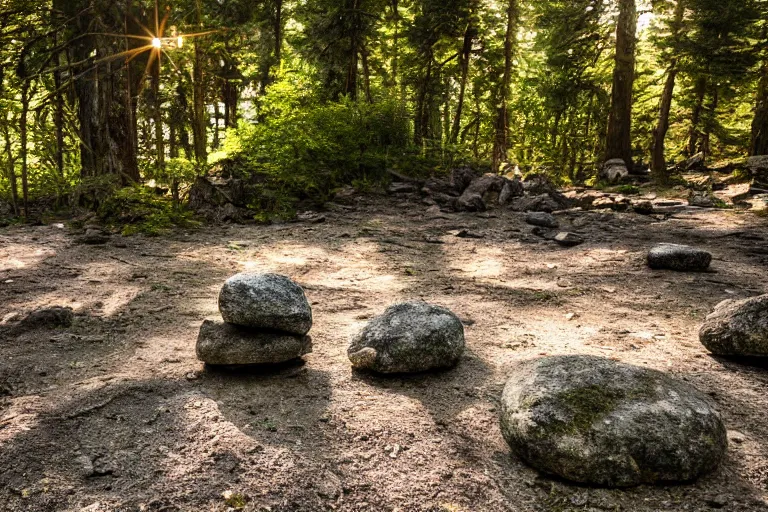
x=198, y=93
x=157, y=114
x=658, y=158
x=709, y=122
x=11, y=168
x=58, y=116
x=619, y=138
x=700, y=90
x=501, y=126
x=23, y=135
x=350, y=85
x=759, y=144
x=102, y=90
x=466, y=53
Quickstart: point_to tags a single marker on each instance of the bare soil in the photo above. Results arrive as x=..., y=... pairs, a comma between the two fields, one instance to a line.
x=116, y=413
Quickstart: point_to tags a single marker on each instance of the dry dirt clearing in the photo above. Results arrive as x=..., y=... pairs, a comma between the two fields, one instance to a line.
x=116, y=413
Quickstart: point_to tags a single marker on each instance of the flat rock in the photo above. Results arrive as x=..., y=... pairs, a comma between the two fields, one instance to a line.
x=93, y=237
x=569, y=239
x=220, y=343
x=542, y=219
x=681, y=258
x=407, y=338
x=596, y=421
x=737, y=328
x=265, y=301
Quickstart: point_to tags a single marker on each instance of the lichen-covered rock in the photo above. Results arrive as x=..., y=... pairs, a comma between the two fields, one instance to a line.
x=682, y=258
x=542, y=219
x=595, y=421
x=614, y=171
x=737, y=328
x=407, y=338
x=220, y=343
x=265, y=301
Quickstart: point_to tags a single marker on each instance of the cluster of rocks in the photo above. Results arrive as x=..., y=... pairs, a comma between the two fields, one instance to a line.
x=469, y=190
x=266, y=318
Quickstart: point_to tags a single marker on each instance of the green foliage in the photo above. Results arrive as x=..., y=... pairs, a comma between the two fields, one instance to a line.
x=139, y=210
x=305, y=148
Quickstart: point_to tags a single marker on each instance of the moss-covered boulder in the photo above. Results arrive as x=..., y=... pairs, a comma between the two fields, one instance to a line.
x=408, y=338
x=220, y=343
x=599, y=422
x=737, y=328
x=265, y=301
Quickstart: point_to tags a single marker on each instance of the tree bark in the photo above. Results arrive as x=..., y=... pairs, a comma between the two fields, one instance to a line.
x=658, y=159
x=198, y=99
x=759, y=144
x=700, y=90
x=619, y=139
x=501, y=125
x=23, y=135
x=466, y=53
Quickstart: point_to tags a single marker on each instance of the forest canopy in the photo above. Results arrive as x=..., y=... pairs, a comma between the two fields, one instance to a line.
x=305, y=96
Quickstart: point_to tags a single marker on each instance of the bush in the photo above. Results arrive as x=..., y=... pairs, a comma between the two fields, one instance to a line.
x=139, y=210
x=306, y=148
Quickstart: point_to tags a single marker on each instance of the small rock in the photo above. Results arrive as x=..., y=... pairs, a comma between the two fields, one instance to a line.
x=220, y=343
x=401, y=188
x=468, y=234
x=542, y=219
x=569, y=239
x=49, y=318
x=737, y=328
x=265, y=301
x=409, y=337
x=614, y=171
x=719, y=501
x=681, y=258
x=643, y=207
x=93, y=237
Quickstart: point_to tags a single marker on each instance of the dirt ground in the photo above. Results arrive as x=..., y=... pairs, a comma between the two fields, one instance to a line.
x=116, y=413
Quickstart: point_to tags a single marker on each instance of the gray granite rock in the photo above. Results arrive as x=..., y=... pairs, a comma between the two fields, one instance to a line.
x=682, y=258
x=595, y=421
x=409, y=337
x=737, y=328
x=265, y=301
x=542, y=219
x=220, y=343
x=569, y=239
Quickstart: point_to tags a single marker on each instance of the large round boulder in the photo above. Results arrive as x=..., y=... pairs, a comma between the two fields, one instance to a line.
x=682, y=258
x=265, y=301
x=407, y=338
x=737, y=328
x=220, y=343
x=595, y=421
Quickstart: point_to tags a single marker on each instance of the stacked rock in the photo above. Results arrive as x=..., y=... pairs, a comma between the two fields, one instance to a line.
x=266, y=321
x=409, y=338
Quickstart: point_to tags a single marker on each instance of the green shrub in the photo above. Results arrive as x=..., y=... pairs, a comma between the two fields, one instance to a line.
x=139, y=210
x=305, y=148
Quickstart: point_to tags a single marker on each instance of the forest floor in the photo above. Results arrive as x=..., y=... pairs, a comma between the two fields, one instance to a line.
x=116, y=413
